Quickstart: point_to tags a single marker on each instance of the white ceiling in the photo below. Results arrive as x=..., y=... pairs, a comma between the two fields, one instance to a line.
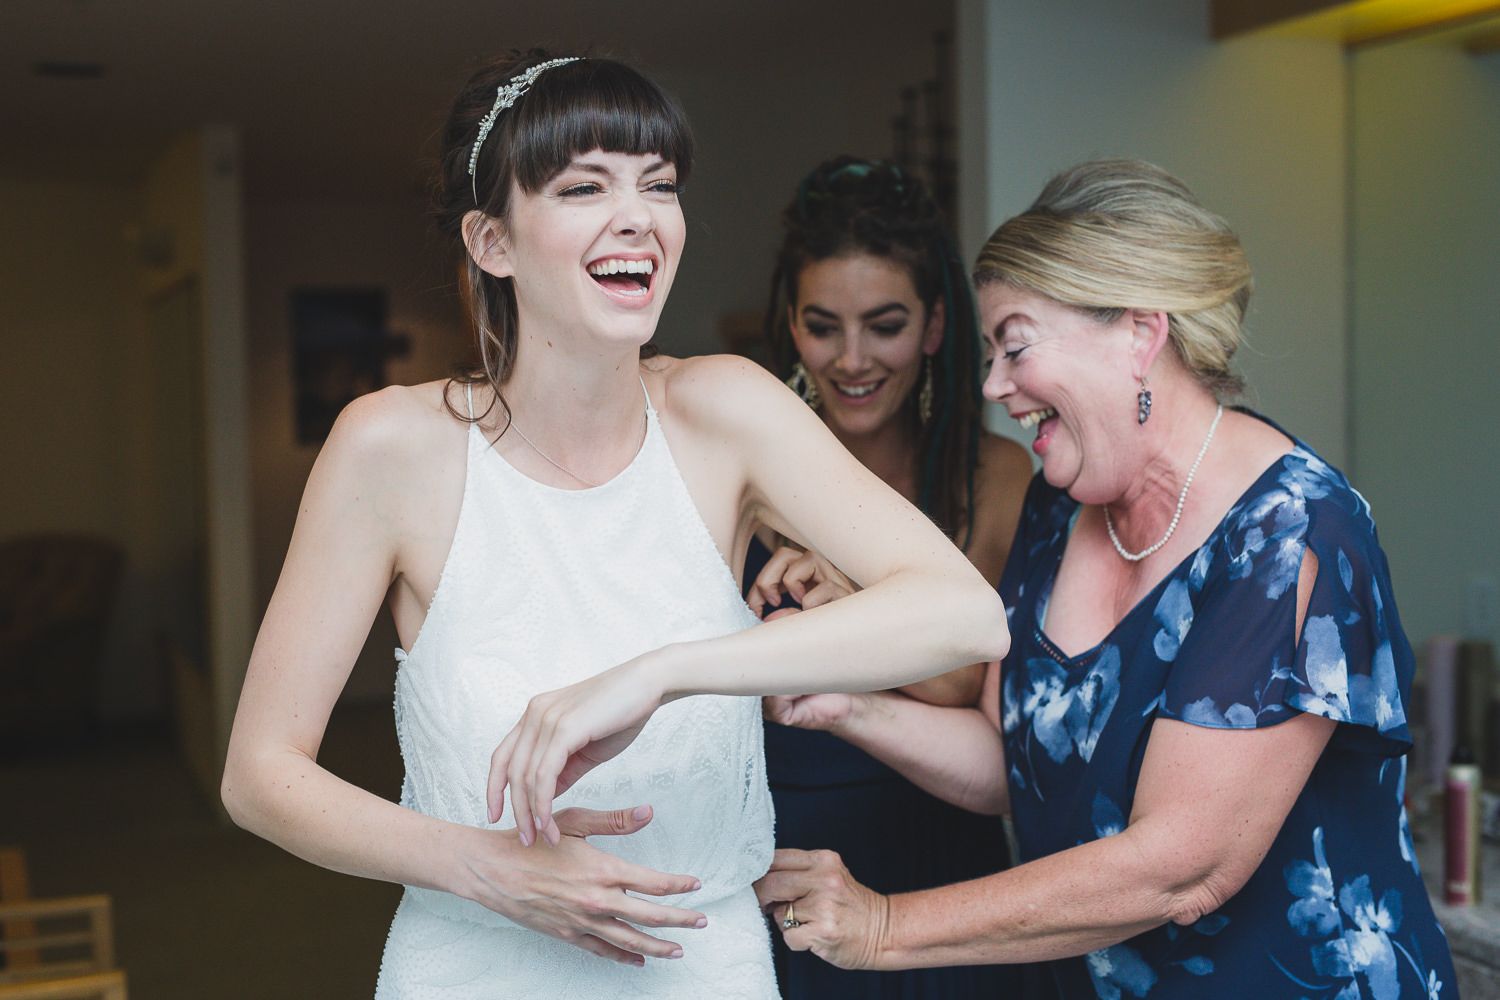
x=338, y=96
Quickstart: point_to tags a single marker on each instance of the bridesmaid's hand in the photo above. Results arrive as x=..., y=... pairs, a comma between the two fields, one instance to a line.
x=807, y=577
x=579, y=894
x=836, y=918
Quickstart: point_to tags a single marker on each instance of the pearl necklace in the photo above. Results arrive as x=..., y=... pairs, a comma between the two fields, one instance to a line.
x=555, y=462
x=1181, y=499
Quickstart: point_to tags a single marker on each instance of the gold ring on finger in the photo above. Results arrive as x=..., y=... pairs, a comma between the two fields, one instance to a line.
x=790, y=920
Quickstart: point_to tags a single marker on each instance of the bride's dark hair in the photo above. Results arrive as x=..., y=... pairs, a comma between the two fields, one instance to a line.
x=568, y=110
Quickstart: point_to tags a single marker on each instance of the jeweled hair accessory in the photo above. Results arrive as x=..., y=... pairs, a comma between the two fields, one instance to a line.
x=509, y=93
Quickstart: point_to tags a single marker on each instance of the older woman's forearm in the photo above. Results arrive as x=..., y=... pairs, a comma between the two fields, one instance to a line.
x=1207, y=808
x=1066, y=904
x=953, y=753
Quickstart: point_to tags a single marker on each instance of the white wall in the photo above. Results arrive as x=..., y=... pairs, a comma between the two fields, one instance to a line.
x=1426, y=222
x=1254, y=126
x=67, y=323
x=71, y=342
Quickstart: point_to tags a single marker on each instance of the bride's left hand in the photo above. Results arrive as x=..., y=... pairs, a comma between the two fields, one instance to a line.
x=837, y=918
x=562, y=735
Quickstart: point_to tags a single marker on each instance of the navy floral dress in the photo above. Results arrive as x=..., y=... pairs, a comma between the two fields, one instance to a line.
x=1337, y=910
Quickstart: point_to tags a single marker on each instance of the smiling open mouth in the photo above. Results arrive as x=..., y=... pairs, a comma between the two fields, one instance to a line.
x=627, y=277
x=1030, y=420
x=858, y=391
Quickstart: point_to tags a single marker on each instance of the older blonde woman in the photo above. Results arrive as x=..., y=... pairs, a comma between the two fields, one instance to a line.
x=1199, y=729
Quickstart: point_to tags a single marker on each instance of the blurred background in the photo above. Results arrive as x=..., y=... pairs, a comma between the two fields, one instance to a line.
x=213, y=232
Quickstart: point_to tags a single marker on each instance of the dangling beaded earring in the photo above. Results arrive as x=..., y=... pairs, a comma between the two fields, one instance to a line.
x=924, y=397
x=1143, y=403
x=802, y=384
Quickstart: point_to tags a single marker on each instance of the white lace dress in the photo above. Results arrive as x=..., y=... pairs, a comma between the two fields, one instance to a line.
x=544, y=587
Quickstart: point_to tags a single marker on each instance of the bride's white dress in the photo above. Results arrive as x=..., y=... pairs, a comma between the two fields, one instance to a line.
x=544, y=587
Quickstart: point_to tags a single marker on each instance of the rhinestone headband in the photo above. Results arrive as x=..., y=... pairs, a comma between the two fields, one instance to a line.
x=509, y=93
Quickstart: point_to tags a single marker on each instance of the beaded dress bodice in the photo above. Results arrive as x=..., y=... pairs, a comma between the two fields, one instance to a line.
x=544, y=587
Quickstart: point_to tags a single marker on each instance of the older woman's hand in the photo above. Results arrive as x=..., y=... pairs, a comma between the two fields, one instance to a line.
x=807, y=577
x=831, y=915
x=808, y=711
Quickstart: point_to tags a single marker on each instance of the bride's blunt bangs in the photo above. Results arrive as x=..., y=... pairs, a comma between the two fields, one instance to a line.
x=594, y=104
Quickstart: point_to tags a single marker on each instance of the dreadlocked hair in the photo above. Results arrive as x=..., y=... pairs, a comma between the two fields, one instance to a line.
x=849, y=207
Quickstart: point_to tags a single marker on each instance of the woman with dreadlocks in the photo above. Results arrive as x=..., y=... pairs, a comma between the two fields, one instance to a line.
x=870, y=320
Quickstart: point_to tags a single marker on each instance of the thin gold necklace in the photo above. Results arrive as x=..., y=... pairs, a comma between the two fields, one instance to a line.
x=549, y=458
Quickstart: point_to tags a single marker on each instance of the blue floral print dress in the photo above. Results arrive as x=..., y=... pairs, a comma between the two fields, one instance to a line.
x=1337, y=910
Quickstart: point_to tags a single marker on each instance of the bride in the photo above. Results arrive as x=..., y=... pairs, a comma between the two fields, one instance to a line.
x=573, y=507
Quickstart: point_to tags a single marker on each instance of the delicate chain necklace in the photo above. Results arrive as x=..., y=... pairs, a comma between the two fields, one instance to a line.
x=1181, y=499
x=555, y=462
x=511, y=423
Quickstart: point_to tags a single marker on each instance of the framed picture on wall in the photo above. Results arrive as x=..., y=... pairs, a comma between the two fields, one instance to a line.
x=340, y=342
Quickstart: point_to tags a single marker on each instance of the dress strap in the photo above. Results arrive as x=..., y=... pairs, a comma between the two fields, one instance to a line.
x=649, y=407
x=469, y=395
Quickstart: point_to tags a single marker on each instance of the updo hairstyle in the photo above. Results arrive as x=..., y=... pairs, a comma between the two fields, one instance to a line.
x=1109, y=235
x=849, y=207
x=569, y=110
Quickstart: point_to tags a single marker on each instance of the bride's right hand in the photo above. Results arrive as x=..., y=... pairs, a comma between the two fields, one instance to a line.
x=579, y=894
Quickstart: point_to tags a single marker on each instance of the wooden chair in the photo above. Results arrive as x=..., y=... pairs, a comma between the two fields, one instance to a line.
x=61, y=948
x=67, y=936
x=99, y=986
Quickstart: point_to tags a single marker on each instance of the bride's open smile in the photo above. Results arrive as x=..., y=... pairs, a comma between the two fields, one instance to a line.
x=595, y=249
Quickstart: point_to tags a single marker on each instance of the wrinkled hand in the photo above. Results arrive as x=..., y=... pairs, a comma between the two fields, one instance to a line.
x=839, y=920
x=808, y=711
x=581, y=895
x=810, y=579
x=562, y=736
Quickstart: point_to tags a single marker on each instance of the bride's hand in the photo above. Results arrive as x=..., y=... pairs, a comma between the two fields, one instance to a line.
x=807, y=577
x=561, y=737
x=579, y=894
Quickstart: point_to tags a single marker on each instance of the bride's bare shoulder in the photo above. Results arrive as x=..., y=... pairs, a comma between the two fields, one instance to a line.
x=402, y=425
x=716, y=389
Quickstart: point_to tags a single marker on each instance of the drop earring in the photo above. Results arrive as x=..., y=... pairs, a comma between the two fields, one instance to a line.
x=1143, y=403
x=924, y=397
x=802, y=384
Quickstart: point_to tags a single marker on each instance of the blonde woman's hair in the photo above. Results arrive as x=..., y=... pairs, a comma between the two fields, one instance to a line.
x=1110, y=235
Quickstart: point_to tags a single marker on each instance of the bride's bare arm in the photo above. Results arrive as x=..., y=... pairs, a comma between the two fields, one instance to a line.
x=923, y=609
x=364, y=514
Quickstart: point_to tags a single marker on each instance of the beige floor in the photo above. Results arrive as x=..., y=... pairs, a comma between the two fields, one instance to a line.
x=203, y=910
